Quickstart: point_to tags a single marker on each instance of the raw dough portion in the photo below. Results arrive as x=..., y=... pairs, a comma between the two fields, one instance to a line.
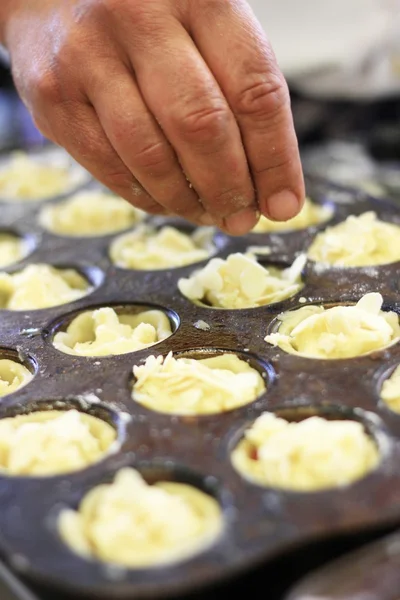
x=183, y=386
x=13, y=376
x=358, y=241
x=52, y=442
x=390, y=393
x=102, y=332
x=311, y=455
x=241, y=282
x=133, y=524
x=146, y=248
x=12, y=249
x=27, y=178
x=310, y=215
x=89, y=213
x=338, y=332
x=41, y=286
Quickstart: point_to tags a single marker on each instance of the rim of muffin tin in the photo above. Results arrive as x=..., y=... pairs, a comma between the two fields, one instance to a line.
x=245, y=544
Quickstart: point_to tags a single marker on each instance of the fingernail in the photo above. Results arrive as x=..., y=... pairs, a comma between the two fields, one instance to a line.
x=281, y=206
x=241, y=222
x=206, y=219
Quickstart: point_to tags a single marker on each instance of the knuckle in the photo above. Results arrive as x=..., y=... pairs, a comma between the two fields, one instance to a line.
x=229, y=201
x=46, y=87
x=263, y=97
x=153, y=157
x=203, y=124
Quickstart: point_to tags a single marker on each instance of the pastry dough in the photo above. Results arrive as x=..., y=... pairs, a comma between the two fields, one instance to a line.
x=338, y=332
x=89, y=213
x=310, y=215
x=102, y=332
x=241, y=282
x=133, y=524
x=314, y=454
x=146, y=248
x=390, y=393
x=41, y=286
x=52, y=442
x=12, y=249
x=13, y=376
x=26, y=177
x=357, y=242
x=183, y=386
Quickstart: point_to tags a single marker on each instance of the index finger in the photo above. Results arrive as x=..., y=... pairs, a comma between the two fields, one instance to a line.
x=238, y=53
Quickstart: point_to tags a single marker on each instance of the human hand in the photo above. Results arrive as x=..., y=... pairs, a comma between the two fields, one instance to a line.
x=149, y=95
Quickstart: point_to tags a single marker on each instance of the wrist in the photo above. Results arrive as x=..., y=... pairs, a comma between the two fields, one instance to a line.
x=7, y=7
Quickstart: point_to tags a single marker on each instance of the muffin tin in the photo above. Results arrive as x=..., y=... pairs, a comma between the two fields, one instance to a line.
x=259, y=523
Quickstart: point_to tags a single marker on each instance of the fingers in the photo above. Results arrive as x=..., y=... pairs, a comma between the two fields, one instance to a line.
x=181, y=92
x=246, y=70
x=138, y=140
x=83, y=137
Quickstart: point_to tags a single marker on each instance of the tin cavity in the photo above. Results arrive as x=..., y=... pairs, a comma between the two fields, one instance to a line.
x=113, y=329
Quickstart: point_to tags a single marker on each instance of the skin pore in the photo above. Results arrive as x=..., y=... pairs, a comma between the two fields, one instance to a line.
x=178, y=106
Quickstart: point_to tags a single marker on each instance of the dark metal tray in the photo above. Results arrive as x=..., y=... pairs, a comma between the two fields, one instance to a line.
x=260, y=523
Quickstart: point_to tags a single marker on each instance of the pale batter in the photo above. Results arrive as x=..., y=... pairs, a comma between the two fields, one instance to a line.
x=25, y=177
x=89, y=213
x=13, y=376
x=206, y=386
x=358, y=241
x=338, y=332
x=313, y=454
x=147, y=248
x=103, y=332
x=41, y=286
x=52, y=442
x=133, y=524
x=241, y=282
x=390, y=393
x=12, y=249
x=310, y=215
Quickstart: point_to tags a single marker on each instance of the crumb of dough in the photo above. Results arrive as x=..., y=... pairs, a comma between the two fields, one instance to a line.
x=241, y=282
x=133, y=524
x=184, y=386
x=102, y=332
x=259, y=250
x=52, y=442
x=202, y=325
x=24, y=178
x=313, y=454
x=310, y=215
x=41, y=286
x=13, y=376
x=89, y=213
x=338, y=332
x=390, y=392
x=359, y=241
x=12, y=249
x=146, y=248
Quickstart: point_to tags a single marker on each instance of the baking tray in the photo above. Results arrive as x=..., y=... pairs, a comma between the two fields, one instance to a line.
x=260, y=523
